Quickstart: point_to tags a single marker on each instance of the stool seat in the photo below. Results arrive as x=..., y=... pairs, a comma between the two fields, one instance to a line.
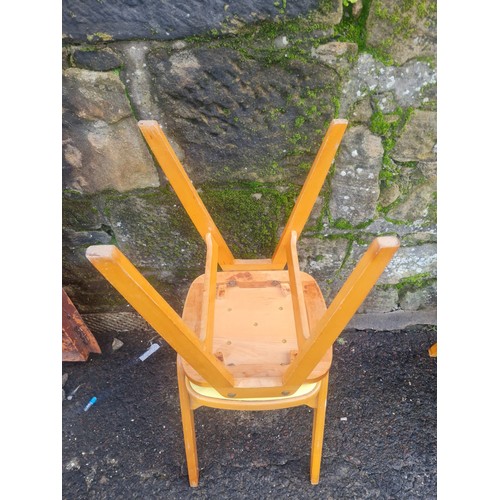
x=255, y=334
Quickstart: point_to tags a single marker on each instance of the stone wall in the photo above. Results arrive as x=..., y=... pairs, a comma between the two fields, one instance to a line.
x=245, y=94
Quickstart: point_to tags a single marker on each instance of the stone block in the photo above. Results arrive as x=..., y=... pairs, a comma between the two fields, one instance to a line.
x=389, y=193
x=102, y=145
x=93, y=95
x=402, y=30
x=168, y=20
x=96, y=60
x=355, y=185
x=380, y=300
x=409, y=261
x=322, y=259
x=416, y=204
x=422, y=298
x=237, y=118
x=99, y=156
x=418, y=138
x=335, y=53
x=396, y=320
x=400, y=86
x=361, y=111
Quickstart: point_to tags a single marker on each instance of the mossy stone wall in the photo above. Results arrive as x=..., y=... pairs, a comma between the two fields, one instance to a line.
x=245, y=105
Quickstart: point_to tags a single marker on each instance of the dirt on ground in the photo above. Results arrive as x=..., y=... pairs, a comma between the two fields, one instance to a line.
x=380, y=435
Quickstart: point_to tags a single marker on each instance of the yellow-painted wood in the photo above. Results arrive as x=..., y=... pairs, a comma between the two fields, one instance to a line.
x=433, y=350
x=193, y=397
x=297, y=292
x=139, y=293
x=207, y=396
x=343, y=307
x=250, y=265
x=310, y=190
x=254, y=329
x=209, y=291
x=318, y=431
x=270, y=328
x=178, y=178
x=187, y=417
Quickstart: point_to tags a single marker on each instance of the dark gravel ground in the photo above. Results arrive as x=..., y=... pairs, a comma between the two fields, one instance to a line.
x=380, y=436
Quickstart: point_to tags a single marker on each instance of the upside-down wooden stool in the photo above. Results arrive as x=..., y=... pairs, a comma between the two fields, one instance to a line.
x=254, y=336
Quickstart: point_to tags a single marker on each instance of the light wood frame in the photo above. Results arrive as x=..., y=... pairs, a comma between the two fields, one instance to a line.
x=253, y=330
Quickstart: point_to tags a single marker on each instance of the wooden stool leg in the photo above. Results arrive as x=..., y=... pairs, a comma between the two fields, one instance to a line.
x=318, y=431
x=187, y=416
x=433, y=350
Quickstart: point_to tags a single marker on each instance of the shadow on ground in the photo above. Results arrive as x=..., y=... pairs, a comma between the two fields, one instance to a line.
x=380, y=436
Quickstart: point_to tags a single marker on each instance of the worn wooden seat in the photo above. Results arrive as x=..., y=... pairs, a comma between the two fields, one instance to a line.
x=254, y=335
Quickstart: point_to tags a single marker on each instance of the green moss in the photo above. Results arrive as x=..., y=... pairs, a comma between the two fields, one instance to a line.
x=400, y=18
x=432, y=210
x=397, y=222
x=415, y=282
x=336, y=103
x=411, y=283
x=87, y=48
x=314, y=104
x=299, y=121
x=354, y=31
x=80, y=212
x=305, y=166
x=379, y=124
x=342, y=224
x=389, y=127
x=105, y=37
x=250, y=225
x=274, y=168
x=296, y=138
x=425, y=8
x=255, y=41
x=313, y=110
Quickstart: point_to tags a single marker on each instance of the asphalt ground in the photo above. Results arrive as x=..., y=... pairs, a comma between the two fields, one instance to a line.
x=380, y=435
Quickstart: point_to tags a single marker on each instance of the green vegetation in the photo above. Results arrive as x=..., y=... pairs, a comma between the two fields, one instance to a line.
x=99, y=36
x=432, y=210
x=310, y=106
x=256, y=41
x=79, y=211
x=415, y=282
x=342, y=224
x=354, y=31
x=299, y=121
x=389, y=127
x=250, y=214
x=249, y=223
x=400, y=18
x=411, y=283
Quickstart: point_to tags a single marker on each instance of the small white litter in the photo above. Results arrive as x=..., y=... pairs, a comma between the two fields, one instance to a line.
x=117, y=343
x=151, y=350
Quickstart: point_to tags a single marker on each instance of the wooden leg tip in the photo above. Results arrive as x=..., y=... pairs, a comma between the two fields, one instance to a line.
x=314, y=477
